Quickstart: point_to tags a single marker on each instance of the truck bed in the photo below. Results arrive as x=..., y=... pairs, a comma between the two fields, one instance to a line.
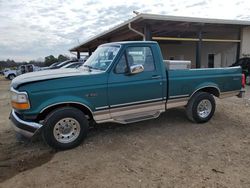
x=183, y=83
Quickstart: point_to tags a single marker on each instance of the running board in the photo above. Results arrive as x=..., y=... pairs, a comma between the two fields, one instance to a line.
x=126, y=120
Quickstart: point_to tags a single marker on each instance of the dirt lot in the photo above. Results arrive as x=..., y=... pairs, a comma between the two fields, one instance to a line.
x=167, y=152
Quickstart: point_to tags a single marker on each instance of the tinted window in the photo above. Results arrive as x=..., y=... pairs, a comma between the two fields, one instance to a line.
x=141, y=55
x=135, y=56
x=121, y=67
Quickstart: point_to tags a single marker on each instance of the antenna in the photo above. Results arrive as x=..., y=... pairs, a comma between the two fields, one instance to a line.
x=136, y=12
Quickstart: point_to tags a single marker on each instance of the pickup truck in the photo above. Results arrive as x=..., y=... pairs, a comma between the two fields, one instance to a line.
x=27, y=68
x=122, y=82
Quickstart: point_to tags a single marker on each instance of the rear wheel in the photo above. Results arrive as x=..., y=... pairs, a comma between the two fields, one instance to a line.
x=65, y=128
x=201, y=107
x=248, y=80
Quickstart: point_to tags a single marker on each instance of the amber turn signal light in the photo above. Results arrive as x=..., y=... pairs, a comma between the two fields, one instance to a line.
x=20, y=106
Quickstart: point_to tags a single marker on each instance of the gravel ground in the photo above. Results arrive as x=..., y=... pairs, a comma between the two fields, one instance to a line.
x=166, y=152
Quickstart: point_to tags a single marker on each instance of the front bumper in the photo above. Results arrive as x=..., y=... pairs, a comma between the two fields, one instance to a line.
x=25, y=128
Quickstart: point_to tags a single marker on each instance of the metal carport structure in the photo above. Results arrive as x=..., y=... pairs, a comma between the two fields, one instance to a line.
x=170, y=29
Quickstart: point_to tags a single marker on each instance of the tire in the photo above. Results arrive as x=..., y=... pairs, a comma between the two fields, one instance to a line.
x=65, y=128
x=11, y=76
x=247, y=80
x=201, y=107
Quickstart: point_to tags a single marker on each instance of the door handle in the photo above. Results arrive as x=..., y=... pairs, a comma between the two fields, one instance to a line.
x=156, y=77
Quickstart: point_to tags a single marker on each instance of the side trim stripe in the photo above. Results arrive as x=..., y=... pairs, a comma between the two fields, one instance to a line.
x=178, y=96
x=137, y=102
x=101, y=107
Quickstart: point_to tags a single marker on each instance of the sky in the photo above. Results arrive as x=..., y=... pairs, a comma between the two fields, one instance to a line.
x=33, y=29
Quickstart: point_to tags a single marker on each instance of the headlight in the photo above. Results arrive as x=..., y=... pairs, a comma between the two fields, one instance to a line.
x=19, y=100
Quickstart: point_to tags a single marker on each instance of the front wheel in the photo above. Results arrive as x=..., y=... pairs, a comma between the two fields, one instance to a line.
x=11, y=76
x=201, y=107
x=65, y=128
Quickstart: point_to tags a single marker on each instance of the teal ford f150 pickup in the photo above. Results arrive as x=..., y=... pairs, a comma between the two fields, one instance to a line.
x=121, y=82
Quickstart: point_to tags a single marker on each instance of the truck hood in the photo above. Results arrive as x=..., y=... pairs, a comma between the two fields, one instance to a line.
x=48, y=75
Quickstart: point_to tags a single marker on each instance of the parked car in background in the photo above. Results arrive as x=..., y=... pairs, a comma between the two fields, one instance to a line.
x=54, y=64
x=49, y=67
x=10, y=74
x=27, y=68
x=245, y=65
x=72, y=65
x=4, y=70
x=61, y=64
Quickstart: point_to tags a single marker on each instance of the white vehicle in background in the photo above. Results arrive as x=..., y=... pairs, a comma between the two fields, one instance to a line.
x=4, y=70
x=10, y=74
x=27, y=68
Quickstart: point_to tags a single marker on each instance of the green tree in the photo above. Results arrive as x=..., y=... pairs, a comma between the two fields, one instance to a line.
x=62, y=58
x=7, y=64
x=50, y=60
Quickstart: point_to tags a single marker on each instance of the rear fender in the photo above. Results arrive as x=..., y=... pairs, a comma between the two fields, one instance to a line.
x=209, y=87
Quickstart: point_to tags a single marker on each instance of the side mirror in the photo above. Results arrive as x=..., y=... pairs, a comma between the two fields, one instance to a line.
x=135, y=69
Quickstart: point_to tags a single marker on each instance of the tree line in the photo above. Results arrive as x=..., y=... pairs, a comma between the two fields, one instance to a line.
x=48, y=60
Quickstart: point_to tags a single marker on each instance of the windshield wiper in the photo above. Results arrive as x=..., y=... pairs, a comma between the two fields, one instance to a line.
x=89, y=67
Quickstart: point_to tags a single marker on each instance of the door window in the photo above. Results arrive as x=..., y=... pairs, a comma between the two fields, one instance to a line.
x=121, y=66
x=136, y=56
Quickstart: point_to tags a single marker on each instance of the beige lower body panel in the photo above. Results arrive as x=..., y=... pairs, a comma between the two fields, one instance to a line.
x=173, y=103
x=139, y=112
x=132, y=113
x=229, y=94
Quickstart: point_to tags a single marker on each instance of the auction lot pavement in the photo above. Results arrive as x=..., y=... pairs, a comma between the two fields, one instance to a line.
x=166, y=152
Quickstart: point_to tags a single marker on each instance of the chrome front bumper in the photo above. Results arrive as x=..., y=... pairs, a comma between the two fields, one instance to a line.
x=25, y=128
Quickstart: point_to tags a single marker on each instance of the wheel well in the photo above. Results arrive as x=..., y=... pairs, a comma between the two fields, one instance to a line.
x=212, y=90
x=84, y=109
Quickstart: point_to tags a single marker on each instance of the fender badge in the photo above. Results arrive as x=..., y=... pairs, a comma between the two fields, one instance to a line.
x=91, y=95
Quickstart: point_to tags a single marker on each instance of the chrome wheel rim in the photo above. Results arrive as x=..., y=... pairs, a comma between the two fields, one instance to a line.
x=66, y=130
x=204, y=108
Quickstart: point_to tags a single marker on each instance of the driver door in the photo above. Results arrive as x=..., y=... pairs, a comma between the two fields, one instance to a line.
x=135, y=95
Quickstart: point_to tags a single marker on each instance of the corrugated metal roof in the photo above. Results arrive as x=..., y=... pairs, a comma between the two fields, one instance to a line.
x=159, y=17
x=193, y=19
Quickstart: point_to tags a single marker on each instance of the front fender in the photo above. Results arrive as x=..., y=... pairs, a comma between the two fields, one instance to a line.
x=59, y=100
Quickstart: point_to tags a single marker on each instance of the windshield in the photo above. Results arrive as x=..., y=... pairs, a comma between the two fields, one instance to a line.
x=102, y=57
